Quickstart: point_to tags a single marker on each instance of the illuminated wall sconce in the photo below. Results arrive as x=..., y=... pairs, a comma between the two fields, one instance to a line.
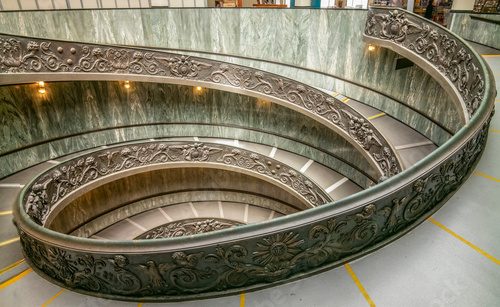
x=41, y=87
x=127, y=84
x=371, y=47
x=263, y=103
x=198, y=90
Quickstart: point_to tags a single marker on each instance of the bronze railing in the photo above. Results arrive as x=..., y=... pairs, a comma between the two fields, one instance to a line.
x=433, y=48
x=49, y=191
x=284, y=249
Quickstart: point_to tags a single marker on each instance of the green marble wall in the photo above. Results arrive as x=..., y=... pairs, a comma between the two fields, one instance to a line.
x=74, y=116
x=476, y=30
x=417, y=121
x=326, y=40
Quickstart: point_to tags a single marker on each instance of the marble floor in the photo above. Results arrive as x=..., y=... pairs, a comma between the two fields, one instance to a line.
x=452, y=259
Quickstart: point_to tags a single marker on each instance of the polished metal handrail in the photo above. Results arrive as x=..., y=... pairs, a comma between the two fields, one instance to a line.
x=50, y=192
x=256, y=256
x=24, y=59
x=433, y=48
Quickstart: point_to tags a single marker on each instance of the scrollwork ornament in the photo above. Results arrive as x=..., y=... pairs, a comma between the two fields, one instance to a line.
x=57, y=183
x=454, y=60
x=187, y=228
x=256, y=260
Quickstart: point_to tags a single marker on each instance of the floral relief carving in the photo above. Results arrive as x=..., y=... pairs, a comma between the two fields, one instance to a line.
x=254, y=260
x=251, y=260
x=187, y=228
x=35, y=56
x=69, y=176
x=453, y=59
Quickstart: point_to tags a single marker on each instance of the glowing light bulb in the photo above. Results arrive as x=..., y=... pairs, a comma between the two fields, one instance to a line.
x=41, y=90
x=127, y=84
x=41, y=83
x=371, y=47
x=199, y=88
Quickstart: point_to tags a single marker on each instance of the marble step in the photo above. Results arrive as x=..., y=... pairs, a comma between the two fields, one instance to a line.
x=411, y=145
x=335, y=184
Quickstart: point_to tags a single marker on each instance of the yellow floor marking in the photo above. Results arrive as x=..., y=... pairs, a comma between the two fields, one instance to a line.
x=12, y=280
x=481, y=174
x=5, y=212
x=376, y=116
x=490, y=55
x=242, y=299
x=345, y=100
x=495, y=130
x=52, y=298
x=474, y=247
x=9, y=267
x=9, y=241
x=358, y=283
x=139, y=305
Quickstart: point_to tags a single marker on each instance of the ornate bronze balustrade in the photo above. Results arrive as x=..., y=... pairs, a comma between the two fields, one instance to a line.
x=435, y=49
x=256, y=256
x=30, y=59
x=187, y=228
x=50, y=189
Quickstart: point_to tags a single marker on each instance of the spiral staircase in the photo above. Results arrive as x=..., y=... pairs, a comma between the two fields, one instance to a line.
x=169, y=174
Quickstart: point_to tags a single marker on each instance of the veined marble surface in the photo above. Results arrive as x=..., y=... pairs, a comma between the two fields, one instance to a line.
x=326, y=40
x=74, y=116
x=477, y=30
x=330, y=84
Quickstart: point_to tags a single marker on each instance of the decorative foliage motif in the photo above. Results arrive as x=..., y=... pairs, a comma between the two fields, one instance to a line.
x=69, y=176
x=255, y=259
x=187, y=228
x=251, y=260
x=19, y=55
x=454, y=60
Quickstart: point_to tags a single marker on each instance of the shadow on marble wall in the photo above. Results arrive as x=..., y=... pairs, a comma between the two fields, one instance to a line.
x=73, y=116
x=329, y=41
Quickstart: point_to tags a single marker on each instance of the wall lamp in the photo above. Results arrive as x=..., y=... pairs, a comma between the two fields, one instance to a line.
x=41, y=87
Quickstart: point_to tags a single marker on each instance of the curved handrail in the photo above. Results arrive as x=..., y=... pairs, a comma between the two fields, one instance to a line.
x=26, y=59
x=256, y=256
x=434, y=49
x=55, y=188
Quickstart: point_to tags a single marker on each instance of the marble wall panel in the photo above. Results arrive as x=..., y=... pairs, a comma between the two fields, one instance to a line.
x=477, y=30
x=73, y=116
x=326, y=40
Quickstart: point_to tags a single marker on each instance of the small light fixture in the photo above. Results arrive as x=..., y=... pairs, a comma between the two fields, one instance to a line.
x=41, y=87
x=127, y=84
x=371, y=47
x=199, y=88
x=263, y=102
